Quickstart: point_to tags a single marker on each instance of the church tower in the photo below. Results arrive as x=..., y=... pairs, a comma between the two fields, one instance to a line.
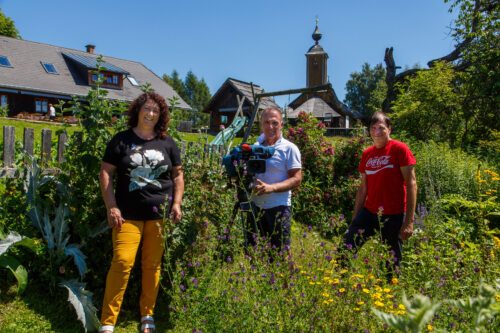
x=317, y=59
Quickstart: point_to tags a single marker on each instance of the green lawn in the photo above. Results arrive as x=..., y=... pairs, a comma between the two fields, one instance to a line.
x=19, y=126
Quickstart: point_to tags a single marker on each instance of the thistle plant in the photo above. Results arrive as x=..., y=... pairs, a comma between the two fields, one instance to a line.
x=419, y=311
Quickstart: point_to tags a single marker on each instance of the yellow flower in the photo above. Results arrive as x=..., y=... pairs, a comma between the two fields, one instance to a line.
x=496, y=240
x=387, y=290
x=389, y=296
x=343, y=271
x=335, y=281
x=341, y=290
x=356, y=309
x=379, y=304
x=371, y=276
x=430, y=328
x=360, y=303
x=325, y=295
x=311, y=283
x=377, y=296
x=356, y=276
x=303, y=272
x=401, y=312
x=366, y=291
x=497, y=297
x=394, y=280
x=401, y=307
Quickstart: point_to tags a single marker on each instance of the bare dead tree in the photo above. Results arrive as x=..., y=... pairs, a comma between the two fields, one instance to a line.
x=455, y=56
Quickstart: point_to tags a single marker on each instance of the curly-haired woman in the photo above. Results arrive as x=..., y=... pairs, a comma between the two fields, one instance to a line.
x=149, y=185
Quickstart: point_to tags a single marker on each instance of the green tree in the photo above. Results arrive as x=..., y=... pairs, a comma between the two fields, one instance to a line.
x=476, y=32
x=429, y=106
x=195, y=92
x=366, y=89
x=7, y=26
x=176, y=83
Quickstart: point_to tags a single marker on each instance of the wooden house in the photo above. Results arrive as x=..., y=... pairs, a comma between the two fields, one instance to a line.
x=223, y=105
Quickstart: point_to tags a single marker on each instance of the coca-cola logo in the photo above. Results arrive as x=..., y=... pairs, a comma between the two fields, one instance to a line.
x=378, y=162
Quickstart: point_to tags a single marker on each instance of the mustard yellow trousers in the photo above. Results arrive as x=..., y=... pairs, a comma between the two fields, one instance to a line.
x=125, y=245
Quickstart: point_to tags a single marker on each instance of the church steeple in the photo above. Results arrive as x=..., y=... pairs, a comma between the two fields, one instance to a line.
x=317, y=60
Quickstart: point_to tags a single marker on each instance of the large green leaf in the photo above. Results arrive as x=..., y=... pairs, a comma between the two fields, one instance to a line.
x=20, y=273
x=10, y=240
x=81, y=300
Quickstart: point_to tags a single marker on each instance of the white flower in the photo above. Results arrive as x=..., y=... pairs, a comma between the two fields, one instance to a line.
x=153, y=156
x=136, y=159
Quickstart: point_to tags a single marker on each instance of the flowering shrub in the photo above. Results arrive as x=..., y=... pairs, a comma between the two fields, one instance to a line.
x=330, y=177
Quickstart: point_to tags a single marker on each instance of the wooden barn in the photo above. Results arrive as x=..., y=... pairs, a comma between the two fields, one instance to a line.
x=224, y=103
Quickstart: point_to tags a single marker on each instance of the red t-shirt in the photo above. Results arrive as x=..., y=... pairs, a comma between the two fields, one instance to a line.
x=384, y=180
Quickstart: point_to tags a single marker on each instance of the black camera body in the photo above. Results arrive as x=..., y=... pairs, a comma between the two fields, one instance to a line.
x=242, y=164
x=251, y=157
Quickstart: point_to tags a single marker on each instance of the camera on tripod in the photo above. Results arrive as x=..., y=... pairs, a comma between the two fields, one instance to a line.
x=242, y=164
x=252, y=158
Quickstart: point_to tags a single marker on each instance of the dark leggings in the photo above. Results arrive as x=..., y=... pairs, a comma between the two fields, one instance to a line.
x=366, y=224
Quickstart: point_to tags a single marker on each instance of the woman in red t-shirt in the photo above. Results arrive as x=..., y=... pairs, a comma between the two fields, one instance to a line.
x=387, y=195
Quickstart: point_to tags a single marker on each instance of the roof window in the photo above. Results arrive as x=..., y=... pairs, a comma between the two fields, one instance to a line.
x=133, y=81
x=4, y=61
x=49, y=68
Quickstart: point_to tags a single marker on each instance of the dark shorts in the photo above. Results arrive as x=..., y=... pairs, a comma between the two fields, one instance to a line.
x=270, y=225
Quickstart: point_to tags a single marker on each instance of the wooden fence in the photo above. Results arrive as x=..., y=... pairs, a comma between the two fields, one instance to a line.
x=212, y=153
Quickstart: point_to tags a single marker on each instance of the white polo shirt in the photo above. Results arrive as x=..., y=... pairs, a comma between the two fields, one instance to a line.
x=286, y=157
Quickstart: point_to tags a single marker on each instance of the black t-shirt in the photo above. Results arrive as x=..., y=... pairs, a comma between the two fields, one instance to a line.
x=144, y=174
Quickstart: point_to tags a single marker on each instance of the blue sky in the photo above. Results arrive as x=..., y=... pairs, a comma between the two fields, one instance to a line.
x=259, y=41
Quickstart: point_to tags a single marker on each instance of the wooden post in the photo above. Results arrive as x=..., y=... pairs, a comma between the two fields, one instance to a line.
x=9, y=142
x=46, y=146
x=61, y=146
x=183, y=148
x=29, y=141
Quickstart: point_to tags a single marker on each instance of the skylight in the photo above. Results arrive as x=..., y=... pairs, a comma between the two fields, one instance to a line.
x=4, y=61
x=49, y=68
x=133, y=80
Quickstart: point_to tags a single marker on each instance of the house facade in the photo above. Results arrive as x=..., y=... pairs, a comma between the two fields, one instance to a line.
x=34, y=75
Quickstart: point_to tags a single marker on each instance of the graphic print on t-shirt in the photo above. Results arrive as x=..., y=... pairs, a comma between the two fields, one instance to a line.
x=146, y=169
x=378, y=163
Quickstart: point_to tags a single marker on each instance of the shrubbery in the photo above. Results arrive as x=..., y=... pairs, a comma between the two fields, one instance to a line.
x=210, y=284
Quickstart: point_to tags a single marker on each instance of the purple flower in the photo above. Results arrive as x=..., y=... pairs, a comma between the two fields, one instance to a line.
x=229, y=259
x=182, y=288
x=195, y=282
x=348, y=246
x=155, y=209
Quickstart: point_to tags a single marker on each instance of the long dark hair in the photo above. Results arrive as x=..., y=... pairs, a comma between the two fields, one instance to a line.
x=163, y=119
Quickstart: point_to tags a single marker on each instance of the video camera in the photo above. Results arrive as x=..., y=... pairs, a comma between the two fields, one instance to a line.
x=253, y=158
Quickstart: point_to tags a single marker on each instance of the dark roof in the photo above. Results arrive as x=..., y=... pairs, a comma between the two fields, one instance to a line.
x=329, y=97
x=244, y=89
x=91, y=63
x=316, y=49
x=316, y=106
x=27, y=73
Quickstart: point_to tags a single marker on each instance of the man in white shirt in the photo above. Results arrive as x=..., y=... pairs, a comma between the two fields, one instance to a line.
x=271, y=198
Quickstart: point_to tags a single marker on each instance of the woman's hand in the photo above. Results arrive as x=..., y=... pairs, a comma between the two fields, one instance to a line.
x=176, y=213
x=115, y=219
